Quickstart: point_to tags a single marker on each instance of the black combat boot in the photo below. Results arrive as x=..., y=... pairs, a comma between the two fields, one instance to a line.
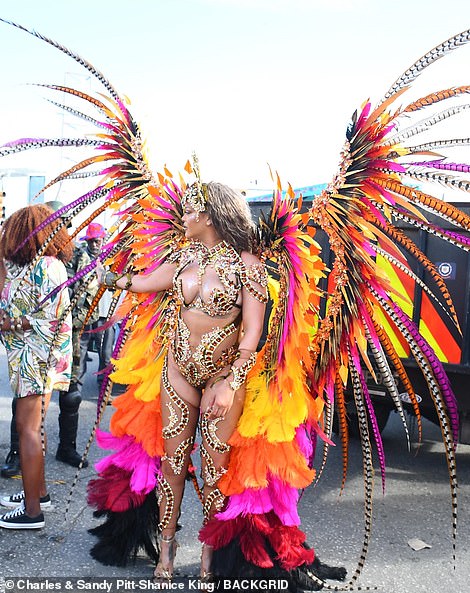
x=11, y=467
x=69, y=402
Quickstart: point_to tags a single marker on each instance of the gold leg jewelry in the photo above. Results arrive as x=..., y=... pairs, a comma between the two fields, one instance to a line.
x=211, y=473
x=164, y=490
x=174, y=428
x=177, y=460
x=215, y=499
x=206, y=575
x=169, y=483
x=164, y=569
x=209, y=432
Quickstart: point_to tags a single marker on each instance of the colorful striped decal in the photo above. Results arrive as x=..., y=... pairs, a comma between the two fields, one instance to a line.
x=433, y=325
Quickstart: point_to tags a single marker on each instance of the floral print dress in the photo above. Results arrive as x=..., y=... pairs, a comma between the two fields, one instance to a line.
x=38, y=362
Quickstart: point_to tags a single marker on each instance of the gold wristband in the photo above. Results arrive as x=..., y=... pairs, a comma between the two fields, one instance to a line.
x=128, y=283
x=240, y=373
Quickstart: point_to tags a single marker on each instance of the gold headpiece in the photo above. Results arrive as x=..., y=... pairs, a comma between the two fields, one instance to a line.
x=196, y=193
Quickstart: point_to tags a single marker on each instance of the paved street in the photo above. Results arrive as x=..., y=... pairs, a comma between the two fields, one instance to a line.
x=416, y=505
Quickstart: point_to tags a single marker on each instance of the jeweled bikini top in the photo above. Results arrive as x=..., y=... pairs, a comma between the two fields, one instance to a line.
x=231, y=272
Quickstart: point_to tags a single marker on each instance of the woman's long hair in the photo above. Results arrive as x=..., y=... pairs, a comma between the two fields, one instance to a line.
x=230, y=216
x=21, y=224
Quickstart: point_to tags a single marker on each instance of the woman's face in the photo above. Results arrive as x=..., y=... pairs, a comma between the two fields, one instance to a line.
x=195, y=223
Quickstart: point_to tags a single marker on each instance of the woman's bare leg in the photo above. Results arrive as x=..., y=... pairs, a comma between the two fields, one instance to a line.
x=215, y=454
x=31, y=433
x=179, y=418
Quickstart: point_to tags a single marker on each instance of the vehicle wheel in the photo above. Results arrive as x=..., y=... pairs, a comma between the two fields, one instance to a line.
x=382, y=413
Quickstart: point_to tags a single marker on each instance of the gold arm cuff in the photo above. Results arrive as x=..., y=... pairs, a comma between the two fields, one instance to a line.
x=110, y=279
x=128, y=283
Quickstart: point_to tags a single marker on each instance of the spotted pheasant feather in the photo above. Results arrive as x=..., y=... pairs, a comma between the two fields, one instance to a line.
x=376, y=186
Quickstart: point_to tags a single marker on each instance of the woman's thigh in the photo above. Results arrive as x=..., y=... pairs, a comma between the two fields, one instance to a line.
x=29, y=411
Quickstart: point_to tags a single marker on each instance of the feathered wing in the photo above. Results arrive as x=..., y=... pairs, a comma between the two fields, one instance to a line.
x=257, y=534
x=146, y=229
x=317, y=341
x=375, y=186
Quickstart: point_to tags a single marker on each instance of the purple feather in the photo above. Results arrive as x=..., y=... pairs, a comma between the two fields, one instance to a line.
x=97, y=192
x=370, y=409
x=440, y=164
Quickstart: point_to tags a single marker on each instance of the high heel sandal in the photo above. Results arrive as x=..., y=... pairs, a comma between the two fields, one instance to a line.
x=164, y=572
x=206, y=576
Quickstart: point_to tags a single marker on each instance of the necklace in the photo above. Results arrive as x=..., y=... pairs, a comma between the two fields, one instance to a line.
x=212, y=256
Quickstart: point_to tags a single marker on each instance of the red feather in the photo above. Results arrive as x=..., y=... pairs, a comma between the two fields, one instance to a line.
x=111, y=491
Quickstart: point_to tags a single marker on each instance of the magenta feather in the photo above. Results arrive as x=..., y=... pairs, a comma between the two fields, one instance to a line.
x=131, y=457
x=277, y=497
x=440, y=164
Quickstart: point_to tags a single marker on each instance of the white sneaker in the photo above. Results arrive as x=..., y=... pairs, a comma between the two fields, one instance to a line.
x=16, y=499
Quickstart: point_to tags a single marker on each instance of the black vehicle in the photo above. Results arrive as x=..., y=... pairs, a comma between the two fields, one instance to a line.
x=452, y=346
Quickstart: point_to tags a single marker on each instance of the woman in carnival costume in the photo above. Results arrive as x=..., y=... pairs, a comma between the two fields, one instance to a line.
x=195, y=277
x=220, y=290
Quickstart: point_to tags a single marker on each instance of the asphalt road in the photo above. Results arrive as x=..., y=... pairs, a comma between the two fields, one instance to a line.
x=416, y=504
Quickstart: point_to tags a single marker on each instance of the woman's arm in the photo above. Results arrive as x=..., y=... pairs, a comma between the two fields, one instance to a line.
x=253, y=304
x=3, y=274
x=160, y=279
x=222, y=393
x=252, y=322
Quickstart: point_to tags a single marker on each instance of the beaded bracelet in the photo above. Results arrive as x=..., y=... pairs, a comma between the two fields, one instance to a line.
x=240, y=373
x=18, y=324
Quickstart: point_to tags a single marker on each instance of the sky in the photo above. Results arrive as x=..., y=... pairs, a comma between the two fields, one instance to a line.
x=244, y=83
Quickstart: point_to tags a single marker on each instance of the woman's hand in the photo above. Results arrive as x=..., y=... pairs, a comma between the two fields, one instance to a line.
x=217, y=399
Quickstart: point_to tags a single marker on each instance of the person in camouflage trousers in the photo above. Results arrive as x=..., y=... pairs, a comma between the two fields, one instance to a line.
x=69, y=401
x=80, y=259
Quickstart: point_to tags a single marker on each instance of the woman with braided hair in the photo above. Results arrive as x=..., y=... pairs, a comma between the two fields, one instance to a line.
x=39, y=350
